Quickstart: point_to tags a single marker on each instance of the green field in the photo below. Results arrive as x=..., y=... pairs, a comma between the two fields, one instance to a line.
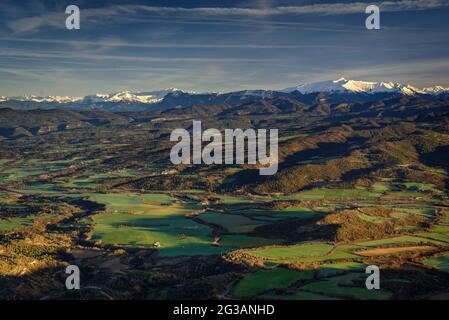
x=397, y=241
x=141, y=220
x=244, y=241
x=348, y=286
x=273, y=215
x=264, y=280
x=11, y=224
x=19, y=173
x=229, y=199
x=4, y=198
x=292, y=254
x=333, y=194
x=330, y=281
x=332, y=269
x=233, y=223
x=92, y=180
x=441, y=262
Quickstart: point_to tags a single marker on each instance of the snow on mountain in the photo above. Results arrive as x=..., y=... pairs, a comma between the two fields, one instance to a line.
x=435, y=90
x=343, y=85
x=127, y=96
x=132, y=97
x=58, y=99
x=54, y=99
x=160, y=94
x=123, y=96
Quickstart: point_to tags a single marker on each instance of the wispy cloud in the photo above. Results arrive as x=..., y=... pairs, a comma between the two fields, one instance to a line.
x=130, y=13
x=88, y=56
x=122, y=43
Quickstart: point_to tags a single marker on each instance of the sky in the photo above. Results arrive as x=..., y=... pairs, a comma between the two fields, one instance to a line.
x=217, y=45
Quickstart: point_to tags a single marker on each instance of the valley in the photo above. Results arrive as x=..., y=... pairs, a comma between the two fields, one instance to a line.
x=359, y=183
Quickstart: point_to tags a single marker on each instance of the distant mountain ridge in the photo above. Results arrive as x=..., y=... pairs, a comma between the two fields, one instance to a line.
x=122, y=96
x=355, y=86
x=339, y=90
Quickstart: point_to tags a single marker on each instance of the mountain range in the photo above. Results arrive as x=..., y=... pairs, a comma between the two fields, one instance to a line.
x=332, y=91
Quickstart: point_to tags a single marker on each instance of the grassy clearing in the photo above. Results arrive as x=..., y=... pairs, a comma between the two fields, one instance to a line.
x=394, y=195
x=381, y=187
x=419, y=186
x=4, y=198
x=16, y=174
x=78, y=183
x=142, y=220
x=40, y=188
x=22, y=169
x=441, y=262
x=154, y=204
x=409, y=188
x=291, y=254
x=94, y=180
x=419, y=210
x=243, y=241
x=11, y=224
x=397, y=241
x=440, y=234
x=333, y=194
x=264, y=280
x=292, y=212
x=351, y=285
x=373, y=219
x=309, y=253
x=333, y=269
x=177, y=236
x=229, y=200
x=232, y=222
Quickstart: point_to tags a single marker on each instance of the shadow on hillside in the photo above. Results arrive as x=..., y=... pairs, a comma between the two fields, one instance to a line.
x=438, y=158
x=407, y=282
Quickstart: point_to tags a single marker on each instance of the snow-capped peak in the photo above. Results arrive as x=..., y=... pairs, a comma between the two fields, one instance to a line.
x=355, y=86
x=122, y=96
x=435, y=90
x=127, y=96
x=341, y=85
x=51, y=99
x=58, y=99
x=130, y=97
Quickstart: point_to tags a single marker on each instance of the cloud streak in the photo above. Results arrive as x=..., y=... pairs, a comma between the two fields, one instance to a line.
x=119, y=43
x=132, y=13
x=62, y=55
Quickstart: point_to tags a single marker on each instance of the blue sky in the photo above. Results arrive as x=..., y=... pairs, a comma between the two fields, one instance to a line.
x=217, y=45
